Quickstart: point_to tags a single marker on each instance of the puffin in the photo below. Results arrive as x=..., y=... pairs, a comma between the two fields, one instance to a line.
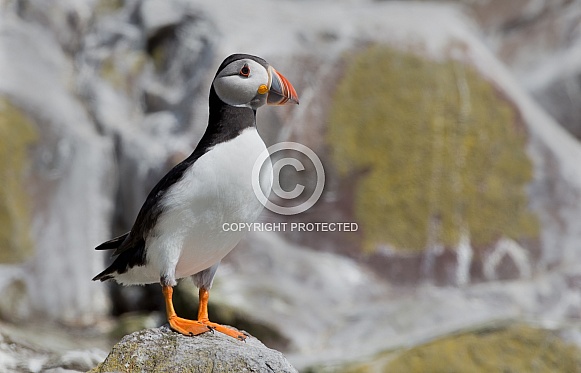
x=178, y=231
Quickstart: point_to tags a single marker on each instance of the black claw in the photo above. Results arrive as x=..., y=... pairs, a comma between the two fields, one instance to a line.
x=211, y=329
x=191, y=334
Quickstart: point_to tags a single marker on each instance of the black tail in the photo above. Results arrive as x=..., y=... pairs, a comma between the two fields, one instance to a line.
x=109, y=245
x=112, y=244
x=128, y=252
x=104, y=276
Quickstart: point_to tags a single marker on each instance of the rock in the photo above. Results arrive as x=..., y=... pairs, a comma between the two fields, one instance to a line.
x=121, y=101
x=450, y=107
x=540, y=42
x=327, y=310
x=512, y=348
x=141, y=71
x=294, y=276
x=157, y=14
x=163, y=350
x=446, y=142
x=128, y=95
x=43, y=348
x=70, y=165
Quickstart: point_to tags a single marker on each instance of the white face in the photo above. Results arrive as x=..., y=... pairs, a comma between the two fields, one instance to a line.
x=243, y=83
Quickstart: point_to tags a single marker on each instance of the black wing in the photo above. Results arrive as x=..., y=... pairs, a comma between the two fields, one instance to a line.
x=149, y=212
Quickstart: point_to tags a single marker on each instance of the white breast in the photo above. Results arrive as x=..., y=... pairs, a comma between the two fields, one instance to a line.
x=189, y=235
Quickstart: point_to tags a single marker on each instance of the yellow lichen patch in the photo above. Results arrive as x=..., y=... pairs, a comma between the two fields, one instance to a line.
x=441, y=148
x=17, y=133
x=514, y=349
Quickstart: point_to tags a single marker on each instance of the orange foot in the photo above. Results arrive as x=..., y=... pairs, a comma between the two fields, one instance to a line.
x=203, y=324
x=225, y=330
x=203, y=317
x=188, y=327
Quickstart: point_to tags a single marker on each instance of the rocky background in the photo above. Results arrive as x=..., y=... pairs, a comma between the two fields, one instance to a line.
x=449, y=132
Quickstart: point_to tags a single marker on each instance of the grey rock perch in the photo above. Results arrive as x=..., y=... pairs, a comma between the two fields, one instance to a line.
x=162, y=350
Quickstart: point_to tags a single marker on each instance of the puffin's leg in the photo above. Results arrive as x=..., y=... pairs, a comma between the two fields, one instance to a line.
x=203, y=317
x=184, y=326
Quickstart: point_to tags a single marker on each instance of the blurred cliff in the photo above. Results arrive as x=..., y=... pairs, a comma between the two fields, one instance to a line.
x=448, y=132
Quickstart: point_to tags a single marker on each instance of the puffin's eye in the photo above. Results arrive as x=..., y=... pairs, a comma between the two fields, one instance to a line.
x=245, y=71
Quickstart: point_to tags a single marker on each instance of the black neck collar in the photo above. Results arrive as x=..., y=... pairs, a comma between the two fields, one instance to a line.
x=225, y=122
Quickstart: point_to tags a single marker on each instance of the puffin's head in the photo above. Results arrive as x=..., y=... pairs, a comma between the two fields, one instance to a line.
x=249, y=81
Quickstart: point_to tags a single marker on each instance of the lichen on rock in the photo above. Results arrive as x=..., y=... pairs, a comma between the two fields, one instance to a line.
x=441, y=152
x=516, y=348
x=17, y=133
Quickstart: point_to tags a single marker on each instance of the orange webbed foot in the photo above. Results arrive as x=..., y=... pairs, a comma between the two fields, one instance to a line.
x=225, y=330
x=203, y=324
x=188, y=327
x=203, y=317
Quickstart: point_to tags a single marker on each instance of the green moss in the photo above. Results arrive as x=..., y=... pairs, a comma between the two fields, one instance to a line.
x=441, y=148
x=17, y=133
x=512, y=349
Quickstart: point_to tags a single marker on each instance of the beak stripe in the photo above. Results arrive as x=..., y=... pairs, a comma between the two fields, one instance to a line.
x=281, y=90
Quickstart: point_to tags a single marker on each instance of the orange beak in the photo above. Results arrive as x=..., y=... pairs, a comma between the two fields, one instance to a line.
x=281, y=92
